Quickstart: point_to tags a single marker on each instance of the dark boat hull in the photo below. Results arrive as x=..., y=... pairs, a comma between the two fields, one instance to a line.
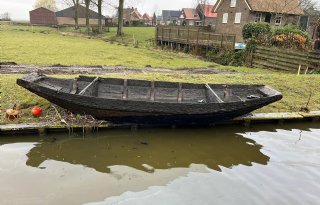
x=147, y=113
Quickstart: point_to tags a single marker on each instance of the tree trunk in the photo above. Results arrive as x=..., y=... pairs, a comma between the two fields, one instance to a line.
x=76, y=14
x=100, y=15
x=120, y=18
x=87, y=2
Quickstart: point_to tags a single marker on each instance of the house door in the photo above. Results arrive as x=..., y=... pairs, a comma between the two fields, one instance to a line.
x=268, y=18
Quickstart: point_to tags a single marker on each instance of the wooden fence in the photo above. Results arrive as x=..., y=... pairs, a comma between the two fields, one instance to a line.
x=193, y=36
x=283, y=59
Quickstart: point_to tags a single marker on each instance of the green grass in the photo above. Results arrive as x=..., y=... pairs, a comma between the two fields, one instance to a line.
x=46, y=46
x=295, y=90
x=131, y=34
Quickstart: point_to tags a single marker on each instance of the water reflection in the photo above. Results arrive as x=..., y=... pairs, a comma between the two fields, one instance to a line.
x=150, y=149
x=59, y=169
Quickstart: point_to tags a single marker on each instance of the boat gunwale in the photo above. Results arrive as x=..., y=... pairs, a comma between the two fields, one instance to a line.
x=259, y=87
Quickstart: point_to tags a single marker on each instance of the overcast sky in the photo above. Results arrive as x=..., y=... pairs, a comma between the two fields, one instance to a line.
x=19, y=9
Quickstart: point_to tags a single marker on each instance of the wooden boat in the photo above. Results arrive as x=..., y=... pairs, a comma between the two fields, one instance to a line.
x=150, y=102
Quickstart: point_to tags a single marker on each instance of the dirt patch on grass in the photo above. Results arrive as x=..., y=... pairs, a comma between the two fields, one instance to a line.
x=12, y=68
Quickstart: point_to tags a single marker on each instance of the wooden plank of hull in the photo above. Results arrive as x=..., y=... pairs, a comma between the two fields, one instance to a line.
x=88, y=86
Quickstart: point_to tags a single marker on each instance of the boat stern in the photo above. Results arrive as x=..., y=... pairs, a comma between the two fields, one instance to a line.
x=26, y=80
x=271, y=93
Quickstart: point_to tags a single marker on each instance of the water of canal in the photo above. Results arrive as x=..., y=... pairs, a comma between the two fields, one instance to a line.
x=270, y=164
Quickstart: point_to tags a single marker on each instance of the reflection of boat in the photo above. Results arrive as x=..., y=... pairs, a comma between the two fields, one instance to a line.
x=150, y=102
x=165, y=149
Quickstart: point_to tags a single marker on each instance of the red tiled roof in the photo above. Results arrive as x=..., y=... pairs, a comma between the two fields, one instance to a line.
x=136, y=14
x=208, y=11
x=190, y=14
x=147, y=17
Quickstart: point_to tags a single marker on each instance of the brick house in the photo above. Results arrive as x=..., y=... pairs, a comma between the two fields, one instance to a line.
x=190, y=17
x=147, y=19
x=131, y=16
x=234, y=14
x=43, y=16
x=67, y=16
x=206, y=15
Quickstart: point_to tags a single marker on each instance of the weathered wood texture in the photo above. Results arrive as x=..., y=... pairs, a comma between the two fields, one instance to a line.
x=284, y=59
x=148, y=102
x=194, y=36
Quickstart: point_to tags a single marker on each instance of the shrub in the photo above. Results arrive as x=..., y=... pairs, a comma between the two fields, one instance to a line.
x=227, y=57
x=291, y=37
x=259, y=31
x=239, y=58
x=292, y=41
x=291, y=29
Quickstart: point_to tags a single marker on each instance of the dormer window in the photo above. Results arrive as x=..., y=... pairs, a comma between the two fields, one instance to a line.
x=233, y=3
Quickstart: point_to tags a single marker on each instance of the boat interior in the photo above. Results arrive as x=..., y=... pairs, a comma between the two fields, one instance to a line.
x=142, y=90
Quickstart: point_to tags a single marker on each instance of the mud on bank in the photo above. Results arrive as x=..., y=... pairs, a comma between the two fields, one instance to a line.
x=13, y=68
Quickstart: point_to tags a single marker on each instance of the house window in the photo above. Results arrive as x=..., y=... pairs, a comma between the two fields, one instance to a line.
x=237, y=18
x=258, y=17
x=278, y=20
x=225, y=18
x=233, y=3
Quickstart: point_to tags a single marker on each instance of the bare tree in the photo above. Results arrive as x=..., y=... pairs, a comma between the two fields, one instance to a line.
x=75, y=4
x=5, y=17
x=87, y=4
x=48, y=4
x=287, y=6
x=202, y=13
x=308, y=4
x=99, y=4
x=120, y=18
x=318, y=27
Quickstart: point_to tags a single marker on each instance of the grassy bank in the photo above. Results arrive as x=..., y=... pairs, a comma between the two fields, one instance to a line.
x=46, y=46
x=131, y=35
x=295, y=89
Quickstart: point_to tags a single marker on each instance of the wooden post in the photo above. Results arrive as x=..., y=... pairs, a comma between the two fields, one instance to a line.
x=152, y=92
x=178, y=34
x=125, y=89
x=221, y=41
x=197, y=44
x=188, y=36
x=306, y=72
x=234, y=42
x=299, y=69
x=179, y=99
x=161, y=37
x=156, y=34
